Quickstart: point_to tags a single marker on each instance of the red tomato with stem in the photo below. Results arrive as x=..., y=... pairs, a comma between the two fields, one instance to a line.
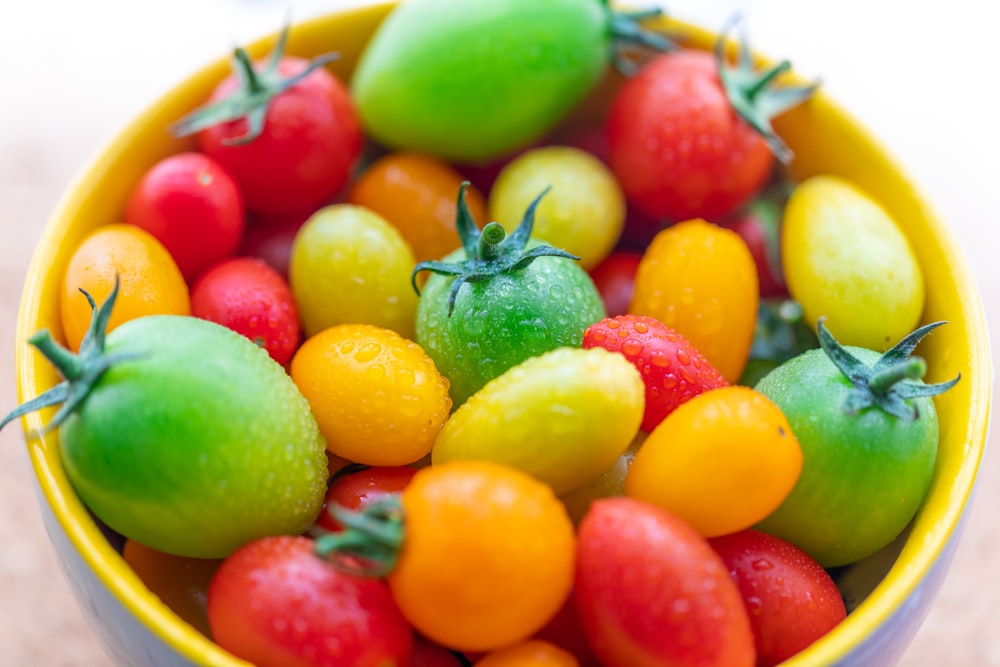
x=357, y=489
x=791, y=600
x=286, y=129
x=275, y=603
x=248, y=296
x=192, y=205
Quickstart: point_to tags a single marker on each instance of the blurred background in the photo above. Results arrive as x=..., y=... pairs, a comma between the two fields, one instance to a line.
x=73, y=73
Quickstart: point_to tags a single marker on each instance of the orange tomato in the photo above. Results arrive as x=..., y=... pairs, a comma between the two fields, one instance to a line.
x=418, y=194
x=378, y=398
x=531, y=653
x=488, y=555
x=150, y=281
x=701, y=280
x=722, y=461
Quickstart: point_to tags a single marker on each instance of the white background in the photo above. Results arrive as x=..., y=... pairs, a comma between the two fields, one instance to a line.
x=72, y=73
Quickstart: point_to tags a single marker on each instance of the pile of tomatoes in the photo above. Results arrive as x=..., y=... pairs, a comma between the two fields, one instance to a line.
x=408, y=370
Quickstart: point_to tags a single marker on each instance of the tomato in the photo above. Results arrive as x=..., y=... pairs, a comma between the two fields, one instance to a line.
x=583, y=214
x=428, y=654
x=689, y=135
x=780, y=335
x=615, y=280
x=159, y=451
x=377, y=396
x=499, y=300
x=700, y=280
x=529, y=653
x=759, y=225
x=563, y=417
x=357, y=489
x=673, y=371
x=609, y=483
x=274, y=602
x=271, y=239
x=869, y=436
x=248, y=296
x=722, y=461
x=427, y=81
x=193, y=207
x=286, y=130
x=564, y=630
x=790, y=599
x=180, y=583
x=845, y=259
x=149, y=282
x=416, y=193
x=650, y=592
x=349, y=265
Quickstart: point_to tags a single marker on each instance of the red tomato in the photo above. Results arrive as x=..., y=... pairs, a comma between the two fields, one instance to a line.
x=290, y=149
x=275, y=603
x=650, y=591
x=271, y=239
x=759, y=223
x=428, y=654
x=564, y=630
x=191, y=204
x=790, y=599
x=615, y=280
x=359, y=489
x=251, y=298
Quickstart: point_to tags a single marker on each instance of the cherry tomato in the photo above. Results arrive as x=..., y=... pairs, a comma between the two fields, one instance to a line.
x=428, y=654
x=251, y=298
x=529, y=653
x=377, y=396
x=417, y=194
x=271, y=239
x=193, y=207
x=149, y=281
x=359, y=489
x=565, y=631
x=790, y=599
x=721, y=461
x=275, y=603
x=615, y=280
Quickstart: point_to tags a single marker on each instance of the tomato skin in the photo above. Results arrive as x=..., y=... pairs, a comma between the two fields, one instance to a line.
x=274, y=602
x=529, y=653
x=303, y=156
x=271, y=239
x=863, y=476
x=790, y=599
x=248, y=296
x=677, y=146
x=428, y=82
x=193, y=206
x=650, y=592
x=615, y=280
x=564, y=630
x=163, y=455
x=357, y=490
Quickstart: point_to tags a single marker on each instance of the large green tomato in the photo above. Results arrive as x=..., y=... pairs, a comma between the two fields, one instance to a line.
x=472, y=80
x=193, y=442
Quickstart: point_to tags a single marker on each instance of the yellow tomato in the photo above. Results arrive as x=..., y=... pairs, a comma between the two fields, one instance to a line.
x=531, y=653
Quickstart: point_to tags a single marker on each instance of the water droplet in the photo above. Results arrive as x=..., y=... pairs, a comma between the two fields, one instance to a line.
x=641, y=327
x=632, y=348
x=762, y=565
x=367, y=352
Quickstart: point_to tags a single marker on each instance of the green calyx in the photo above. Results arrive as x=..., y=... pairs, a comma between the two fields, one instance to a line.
x=370, y=541
x=253, y=96
x=754, y=93
x=628, y=36
x=80, y=371
x=489, y=252
x=888, y=383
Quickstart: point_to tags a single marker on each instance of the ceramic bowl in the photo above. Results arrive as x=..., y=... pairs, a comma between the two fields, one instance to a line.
x=888, y=594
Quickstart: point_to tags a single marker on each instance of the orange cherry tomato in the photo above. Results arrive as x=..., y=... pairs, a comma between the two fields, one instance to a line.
x=488, y=555
x=417, y=194
x=150, y=281
x=722, y=461
x=531, y=653
x=701, y=279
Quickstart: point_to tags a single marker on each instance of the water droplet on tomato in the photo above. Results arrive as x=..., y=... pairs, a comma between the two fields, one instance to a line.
x=632, y=348
x=762, y=565
x=367, y=352
x=641, y=327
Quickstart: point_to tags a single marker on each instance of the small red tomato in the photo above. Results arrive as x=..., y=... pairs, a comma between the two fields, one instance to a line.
x=791, y=600
x=615, y=279
x=275, y=603
x=672, y=369
x=251, y=298
x=564, y=630
x=285, y=128
x=191, y=204
x=759, y=223
x=359, y=489
x=650, y=591
x=271, y=239
x=428, y=654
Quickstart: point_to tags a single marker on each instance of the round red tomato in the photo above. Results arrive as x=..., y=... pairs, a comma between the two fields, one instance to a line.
x=615, y=280
x=360, y=488
x=192, y=205
x=271, y=239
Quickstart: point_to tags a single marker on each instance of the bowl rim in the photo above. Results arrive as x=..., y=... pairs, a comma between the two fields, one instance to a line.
x=110, y=568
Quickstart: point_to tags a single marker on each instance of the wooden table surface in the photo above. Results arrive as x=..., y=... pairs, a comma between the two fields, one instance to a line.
x=75, y=72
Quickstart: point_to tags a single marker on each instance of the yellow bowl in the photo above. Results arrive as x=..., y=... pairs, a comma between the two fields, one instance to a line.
x=890, y=593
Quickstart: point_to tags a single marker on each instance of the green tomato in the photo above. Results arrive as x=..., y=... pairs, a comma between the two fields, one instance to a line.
x=472, y=80
x=869, y=436
x=844, y=258
x=583, y=214
x=563, y=417
x=193, y=442
x=348, y=265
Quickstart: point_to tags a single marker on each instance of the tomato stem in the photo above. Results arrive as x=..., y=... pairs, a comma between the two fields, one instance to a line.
x=489, y=241
x=913, y=368
x=370, y=543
